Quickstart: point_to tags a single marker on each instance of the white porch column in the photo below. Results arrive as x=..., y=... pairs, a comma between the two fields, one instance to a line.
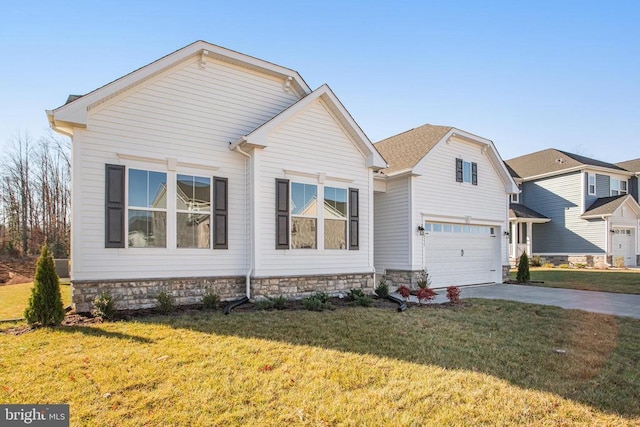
x=514, y=240
x=529, y=232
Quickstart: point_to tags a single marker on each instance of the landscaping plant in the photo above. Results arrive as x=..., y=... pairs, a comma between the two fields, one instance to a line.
x=523, y=275
x=382, y=290
x=166, y=303
x=453, y=294
x=424, y=281
x=104, y=306
x=425, y=294
x=317, y=302
x=404, y=292
x=45, y=304
x=210, y=299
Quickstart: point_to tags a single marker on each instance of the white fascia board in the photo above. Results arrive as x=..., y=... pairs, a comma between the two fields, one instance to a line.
x=586, y=168
x=76, y=112
x=259, y=136
x=532, y=220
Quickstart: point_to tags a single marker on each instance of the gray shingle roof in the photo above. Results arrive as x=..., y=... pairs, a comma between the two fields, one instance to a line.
x=605, y=206
x=516, y=210
x=630, y=165
x=405, y=150
x=549, y=161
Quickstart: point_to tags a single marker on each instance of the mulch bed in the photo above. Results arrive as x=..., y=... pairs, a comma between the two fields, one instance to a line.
x=75, y=319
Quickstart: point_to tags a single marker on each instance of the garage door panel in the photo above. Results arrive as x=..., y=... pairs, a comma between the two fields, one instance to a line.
x=460, y=258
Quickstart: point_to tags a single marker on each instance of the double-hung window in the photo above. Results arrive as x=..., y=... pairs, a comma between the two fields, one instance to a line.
x=304, y=216
x=147, y=209
x=193, y=210
x=618, y=187
x=335, y=218
x=466, y=172
x=592, y=184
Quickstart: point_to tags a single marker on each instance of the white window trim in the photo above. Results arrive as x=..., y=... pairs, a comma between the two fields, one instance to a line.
x=515, y=198
x=345, y=219
x=595, y=184
x=128, y=207
x=209, y=212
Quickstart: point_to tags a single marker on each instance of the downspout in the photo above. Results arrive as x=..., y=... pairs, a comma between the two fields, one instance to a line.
x=233, y=304
x=251, y=254
x=607, y=239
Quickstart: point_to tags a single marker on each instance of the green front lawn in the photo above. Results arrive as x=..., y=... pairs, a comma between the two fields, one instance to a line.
x=14, y=299
x=492, y=363
x=619, y=281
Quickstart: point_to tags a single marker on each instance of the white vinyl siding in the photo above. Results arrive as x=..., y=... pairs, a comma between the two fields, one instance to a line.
x=188, y=114
x=393, y=228
x=437, y=197
x=315, y=150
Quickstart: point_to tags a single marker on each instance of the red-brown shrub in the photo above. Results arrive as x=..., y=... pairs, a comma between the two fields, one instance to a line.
x=426, y=294
x=453, y=294
x=404, y=291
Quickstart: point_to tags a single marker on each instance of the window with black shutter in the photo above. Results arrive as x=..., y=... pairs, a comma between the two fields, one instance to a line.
x=221, y=213
x=282, y=213
x=354, y=219
x=114, y=206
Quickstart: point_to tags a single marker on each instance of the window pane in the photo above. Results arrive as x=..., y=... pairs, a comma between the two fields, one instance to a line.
x=335, y=234
x=437, y=227
x=335, y=202
x=466, y=171
x=303, y=233
x=193, y=230
x=457, y=229
x=427, y=226
x=147, y=189
x=446, y=228
x=466, y=229
x=193, y=193
x=147, y=229
x=304, y=199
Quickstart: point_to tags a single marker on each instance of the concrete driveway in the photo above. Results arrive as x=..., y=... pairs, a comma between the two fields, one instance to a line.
x=596, y=302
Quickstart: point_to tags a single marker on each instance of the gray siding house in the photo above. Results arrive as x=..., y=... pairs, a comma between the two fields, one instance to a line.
x=574, y=209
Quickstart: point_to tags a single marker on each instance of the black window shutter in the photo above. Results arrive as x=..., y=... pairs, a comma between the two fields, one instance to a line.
x=459, y=170
x=282, y=213
x=354, y=219
x=114, y=207
x=474, y=173
x=220, y=213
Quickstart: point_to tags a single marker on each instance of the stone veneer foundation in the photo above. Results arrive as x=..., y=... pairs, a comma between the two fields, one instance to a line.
x=141, y=293
x=409, y=278
x=588, y=260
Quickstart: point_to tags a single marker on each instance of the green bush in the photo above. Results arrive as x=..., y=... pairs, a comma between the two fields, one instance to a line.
x=279, y=303
x=548, y=265
x=364, y=301
x=564, y=266
x=317, y=302
x=104, y=306
x=382, y=290
x=356, y=293
x=580, y=265
x=210, y=299
x=536, y=261
x=45, y=304
x=166, y=303
x=523, y=275
x=264, y=304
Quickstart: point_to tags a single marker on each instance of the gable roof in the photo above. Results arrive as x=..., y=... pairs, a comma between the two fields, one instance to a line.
x=630, y=165
x=606, y=206
x=74, y=112
x=552, y=161
x=517, y=210
x=258, y=137
x=406, y=150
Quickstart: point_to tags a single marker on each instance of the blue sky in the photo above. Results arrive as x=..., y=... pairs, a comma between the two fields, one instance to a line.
x=528, y=75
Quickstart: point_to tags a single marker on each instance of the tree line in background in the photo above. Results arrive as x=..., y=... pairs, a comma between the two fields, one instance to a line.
x=35, y=196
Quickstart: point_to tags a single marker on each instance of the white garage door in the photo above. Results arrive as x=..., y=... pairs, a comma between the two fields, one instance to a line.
x=622, y=246
x=461, y=254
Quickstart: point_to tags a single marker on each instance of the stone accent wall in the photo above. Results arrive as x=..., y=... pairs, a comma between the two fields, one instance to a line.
x=140, y=293
x=588, y=260
x=505, y=272
x=302, y=286
x=408, y=278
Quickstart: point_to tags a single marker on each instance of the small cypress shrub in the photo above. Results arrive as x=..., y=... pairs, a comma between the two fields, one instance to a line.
x=264, y=304
x=356, y=293
x=279, y=303
x=45, y=304
x=317, y=302
x=382, y=290
x=523, y=275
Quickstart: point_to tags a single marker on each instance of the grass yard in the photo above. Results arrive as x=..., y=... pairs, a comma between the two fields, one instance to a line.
x=618, y=281
x=492, y=363
x=14, y=299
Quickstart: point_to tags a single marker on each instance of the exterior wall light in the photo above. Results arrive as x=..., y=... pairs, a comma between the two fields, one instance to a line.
x=421, y=230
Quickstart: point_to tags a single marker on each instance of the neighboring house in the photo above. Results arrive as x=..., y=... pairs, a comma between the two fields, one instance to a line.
x=580, y=209
x=442, y=206
x=204, y=170
x=634, y=167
